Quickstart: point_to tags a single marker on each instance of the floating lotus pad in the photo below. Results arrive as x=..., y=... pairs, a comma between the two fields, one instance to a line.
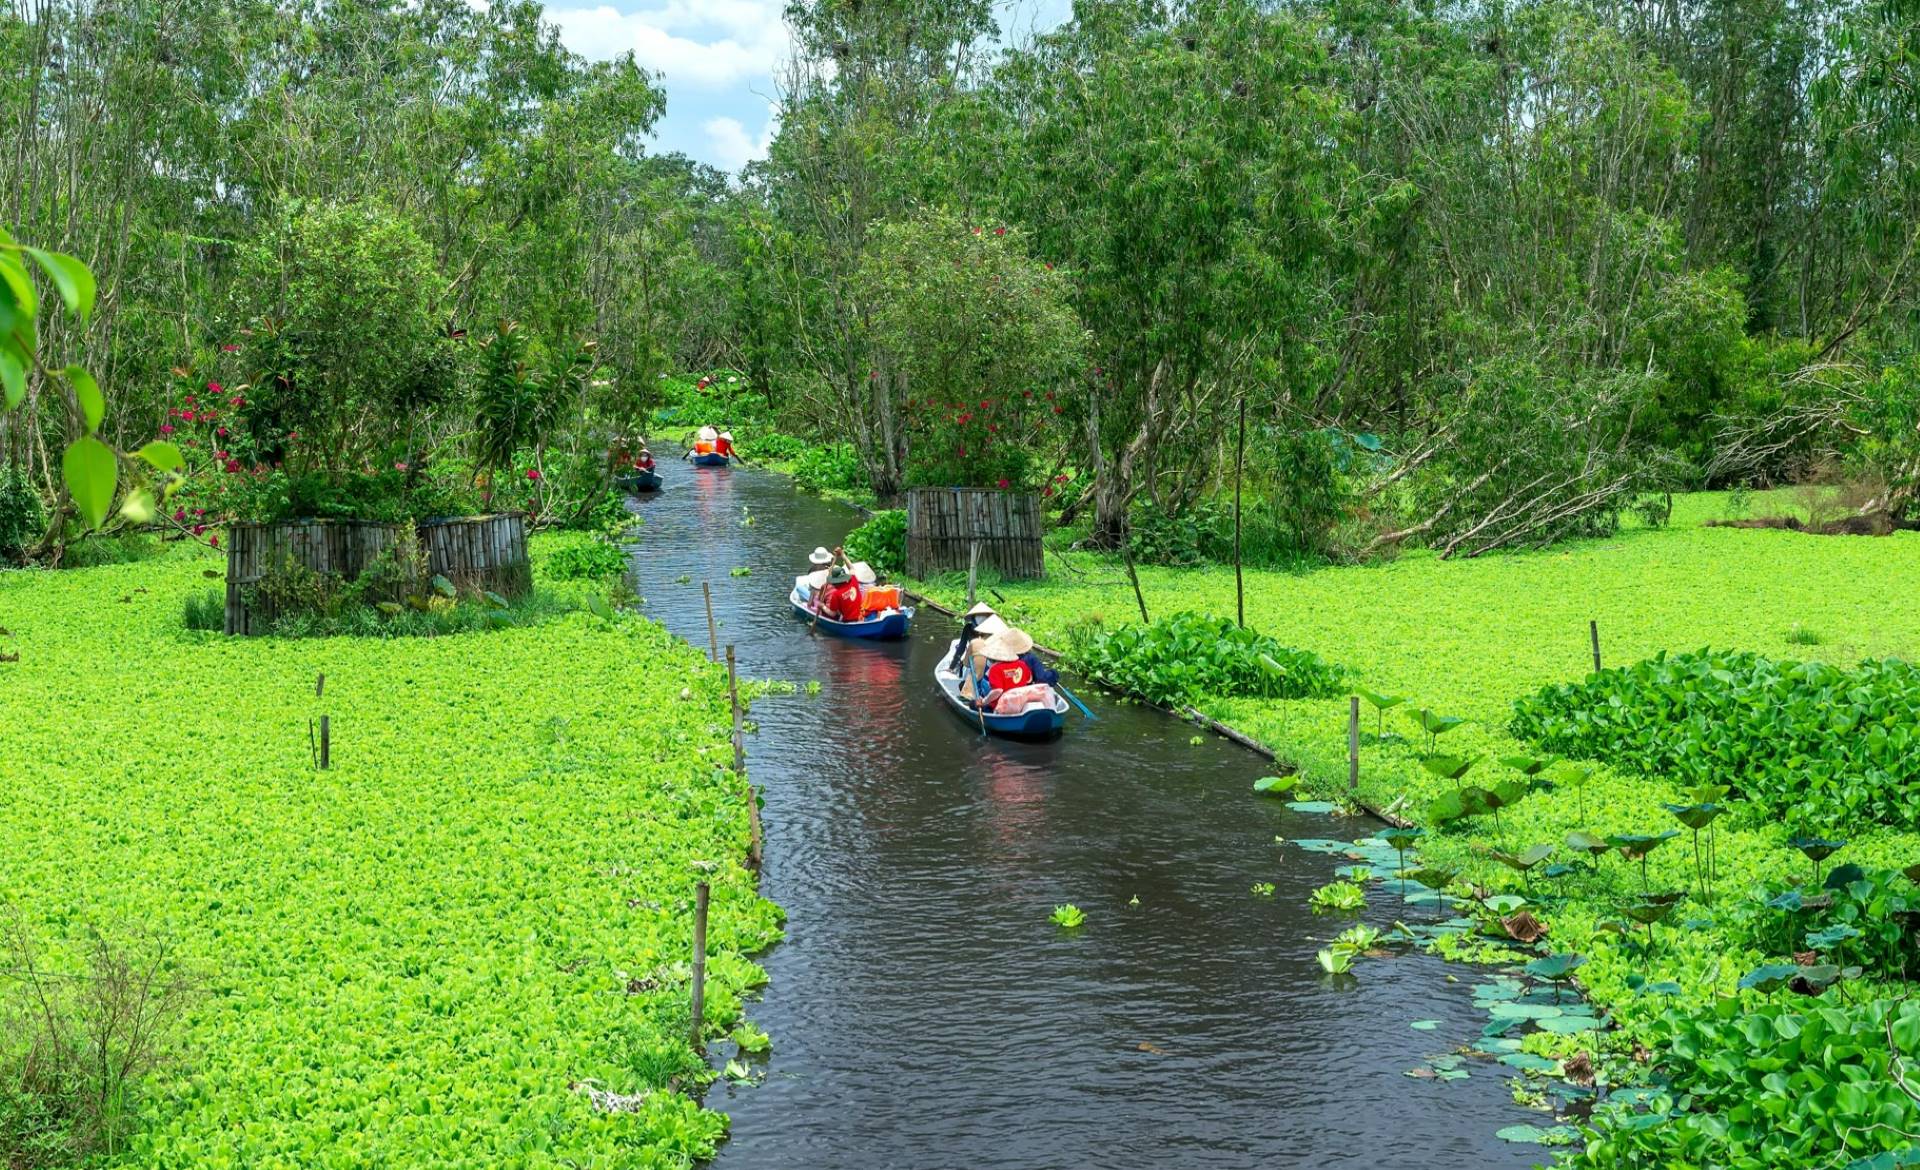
x=1528, y=1062
x=1313, y=806
x=1557, y=1135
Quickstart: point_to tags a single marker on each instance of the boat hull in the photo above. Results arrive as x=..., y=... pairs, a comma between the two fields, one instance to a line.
x=709, y=460
x=638, y=481
x=886, y=626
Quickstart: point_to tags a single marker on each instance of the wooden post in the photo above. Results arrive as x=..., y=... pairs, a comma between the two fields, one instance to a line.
x=740, y=760
x=326, y=743
x=1239, y=466
x=1353, y=743
x=1593, y=627
x=713, y=636
x=701, y=894
x=973, y=571
x=1126, y=551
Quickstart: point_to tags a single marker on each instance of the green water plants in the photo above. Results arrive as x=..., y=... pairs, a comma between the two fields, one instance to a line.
x=1697, y=817
x=1651, y=909
x=1338, y=897
x=1449, y=767
x=1276, y=785
x=1402, y=837
x=1524, y=861
x=1567, y=774
x=1381, y=704
x=1182, y=658
x=1636, y=847
x=1594, y=847
x=1435, y=725
x=1263, y=889
x=1068, y=916
x=1335, y=960
x=1826, y=745
x=1816, y=850
x=1557, y=970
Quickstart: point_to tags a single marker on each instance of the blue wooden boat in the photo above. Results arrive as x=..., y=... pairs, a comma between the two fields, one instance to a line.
x=1038, y=721
x=638, y=481
x=892, y=623
x=709, y=459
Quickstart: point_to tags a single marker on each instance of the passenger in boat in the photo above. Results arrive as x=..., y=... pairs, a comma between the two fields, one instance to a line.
x=999, y=667
x=644, y=460
x=723, y=445
x=974, y=624
x=840, y=600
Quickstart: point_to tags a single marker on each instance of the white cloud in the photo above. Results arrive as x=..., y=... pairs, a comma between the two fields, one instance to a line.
x=730, y=147
x=711, y=44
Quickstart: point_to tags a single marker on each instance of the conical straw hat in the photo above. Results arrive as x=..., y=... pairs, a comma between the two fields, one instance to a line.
x=1007, y=645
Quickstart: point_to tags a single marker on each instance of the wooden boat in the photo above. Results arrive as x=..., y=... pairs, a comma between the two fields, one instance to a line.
x=638, y=481
x=708, y=459
x=891, y=623
x=1038, y=721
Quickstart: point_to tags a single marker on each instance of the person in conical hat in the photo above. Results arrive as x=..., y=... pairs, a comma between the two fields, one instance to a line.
x=1004, y=668
x=840, y=600
x=723, y=443
x=709, y=434
x=972, y=627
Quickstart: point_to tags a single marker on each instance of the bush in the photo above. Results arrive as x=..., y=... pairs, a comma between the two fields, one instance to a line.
x=1184, y=657
x=205, y=610
x=778, y=447
x=830, y=467
x=23, y=515
x=265, y=495
x=881, y=542
x=586, y=561
x=1855, y=918
x=1766, y=1088
x=1156, y=536
x=1814, y=744
x=77, y=1055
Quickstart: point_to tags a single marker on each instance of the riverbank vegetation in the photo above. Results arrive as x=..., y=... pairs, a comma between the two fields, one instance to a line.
x=1721, y=837
x=466, y=940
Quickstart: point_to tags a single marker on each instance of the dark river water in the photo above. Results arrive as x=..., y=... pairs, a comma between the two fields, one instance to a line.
x=927, y=1015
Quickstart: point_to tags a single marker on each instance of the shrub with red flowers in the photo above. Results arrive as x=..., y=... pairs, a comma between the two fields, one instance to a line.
x=970, y=337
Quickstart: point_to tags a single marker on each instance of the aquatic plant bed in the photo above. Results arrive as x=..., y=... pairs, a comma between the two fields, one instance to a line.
x=465, y=943
x=1802, y=922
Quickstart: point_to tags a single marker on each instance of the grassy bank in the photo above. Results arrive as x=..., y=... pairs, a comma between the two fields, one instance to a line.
x=425, y=955
x=1468, y=638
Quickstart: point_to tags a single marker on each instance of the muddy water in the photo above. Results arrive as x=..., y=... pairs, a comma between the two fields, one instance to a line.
x=924, y=1011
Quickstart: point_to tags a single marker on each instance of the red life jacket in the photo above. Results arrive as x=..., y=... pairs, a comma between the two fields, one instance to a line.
x=723, y=446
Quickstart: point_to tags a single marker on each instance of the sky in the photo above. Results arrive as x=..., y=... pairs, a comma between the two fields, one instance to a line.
x=717, y=60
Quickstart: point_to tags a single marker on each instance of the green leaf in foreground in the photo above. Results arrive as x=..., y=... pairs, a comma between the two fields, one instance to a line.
x=70, y=276
x=90, y=471
x=86, y=391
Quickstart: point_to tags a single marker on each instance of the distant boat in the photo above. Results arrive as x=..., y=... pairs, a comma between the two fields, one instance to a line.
x=709, y=459
x=1038, y=721
x=638, y=481
x=890, y=623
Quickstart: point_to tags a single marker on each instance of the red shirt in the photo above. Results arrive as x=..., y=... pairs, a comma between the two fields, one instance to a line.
x=723, y=446
x=1004, y=676
x=644, y=463
x=841, y=601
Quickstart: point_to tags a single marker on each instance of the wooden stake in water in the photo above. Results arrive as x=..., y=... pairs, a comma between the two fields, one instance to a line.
x=740, y=760
x=700, y=897
x=1353, y=743
x=973, y=571
x=1126, y=552
x=326, y=743
x=713, y=635
x=1593, y=627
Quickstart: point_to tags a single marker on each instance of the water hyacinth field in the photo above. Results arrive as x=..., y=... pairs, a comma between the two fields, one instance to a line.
x=443, y=950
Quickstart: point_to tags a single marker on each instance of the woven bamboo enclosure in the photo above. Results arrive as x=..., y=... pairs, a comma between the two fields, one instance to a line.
x=480, y=553
x=332, y=548
x=945, y=525
x=476, y=553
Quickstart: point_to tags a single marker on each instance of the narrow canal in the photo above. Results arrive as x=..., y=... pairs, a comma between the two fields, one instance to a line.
x=926, y=1014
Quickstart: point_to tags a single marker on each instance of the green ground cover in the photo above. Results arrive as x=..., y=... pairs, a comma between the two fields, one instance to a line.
x=1468, y=638
x=424, y=955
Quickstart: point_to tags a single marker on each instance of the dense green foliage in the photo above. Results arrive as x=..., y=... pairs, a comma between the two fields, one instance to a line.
x=1813, y=745
x=431, y=952
x=586, y=560
x=1186, y=656
x=881, y=542
x=1757, y=1088
x=22, y=516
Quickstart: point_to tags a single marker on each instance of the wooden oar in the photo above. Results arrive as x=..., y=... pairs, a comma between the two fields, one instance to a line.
x=977, y=708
